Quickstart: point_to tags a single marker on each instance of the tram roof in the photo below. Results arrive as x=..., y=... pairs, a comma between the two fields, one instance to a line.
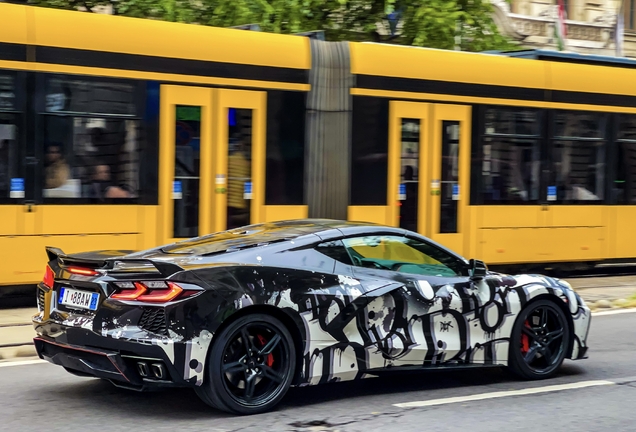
x=568, y=57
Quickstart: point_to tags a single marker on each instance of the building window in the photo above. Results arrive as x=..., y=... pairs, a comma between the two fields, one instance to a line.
x=11, y=152
x=285, y=169
x=507, y=163
x=629, y=14
x=577, y=171
x=91, y=139
x=624, y=186
x=369, y=151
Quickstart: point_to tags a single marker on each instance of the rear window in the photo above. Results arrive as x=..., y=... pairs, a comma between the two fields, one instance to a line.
x=238, y=239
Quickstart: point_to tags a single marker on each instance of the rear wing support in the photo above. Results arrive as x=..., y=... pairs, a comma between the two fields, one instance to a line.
x=165, y=269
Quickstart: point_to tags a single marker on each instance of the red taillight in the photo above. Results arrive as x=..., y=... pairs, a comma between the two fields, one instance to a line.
x=130, y=294
x=153, y=292
x=162, y=295
x=49, y=277
x=82, y=271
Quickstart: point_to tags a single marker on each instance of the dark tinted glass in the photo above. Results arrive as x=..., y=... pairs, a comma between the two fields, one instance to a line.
x=450, y=177
x=7, y=92
x=11, y=180
x=624, y=184
x=336, y=250
x=285, y=169
x=578, y=154
x=187, y=176
x=239, y=168
x=506, y=155
x=409, y=179
x=71, y=94
x=626, y=127
x=511, y=122
x=577, y=124
x=88, y=157
x=369, y=151
x=509, y=169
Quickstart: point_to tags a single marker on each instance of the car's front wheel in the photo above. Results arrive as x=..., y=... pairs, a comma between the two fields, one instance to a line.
x=250, y=366
x=539, y=340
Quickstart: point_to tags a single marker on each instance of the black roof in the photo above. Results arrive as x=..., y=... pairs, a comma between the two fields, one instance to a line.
x=258, y=234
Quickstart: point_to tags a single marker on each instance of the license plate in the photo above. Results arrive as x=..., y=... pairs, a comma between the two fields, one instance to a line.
x=78, y=299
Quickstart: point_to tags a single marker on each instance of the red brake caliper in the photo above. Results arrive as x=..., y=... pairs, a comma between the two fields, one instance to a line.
x=525, y=342
x=270, y=357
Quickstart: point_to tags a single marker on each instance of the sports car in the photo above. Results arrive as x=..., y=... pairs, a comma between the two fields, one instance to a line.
x=242, y=315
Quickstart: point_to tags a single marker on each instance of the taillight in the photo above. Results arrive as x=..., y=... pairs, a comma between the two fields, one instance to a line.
x=82, y=271
x=153, y=291
x=49, y=277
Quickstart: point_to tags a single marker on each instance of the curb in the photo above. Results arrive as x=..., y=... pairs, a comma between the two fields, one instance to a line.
x=605, y=304
x=22, y=350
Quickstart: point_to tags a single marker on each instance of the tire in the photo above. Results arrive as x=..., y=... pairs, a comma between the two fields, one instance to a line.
x=265, y=372
x=543, y=363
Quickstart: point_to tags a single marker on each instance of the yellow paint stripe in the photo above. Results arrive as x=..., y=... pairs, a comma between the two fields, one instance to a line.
x=495, y=101
x=156, y=76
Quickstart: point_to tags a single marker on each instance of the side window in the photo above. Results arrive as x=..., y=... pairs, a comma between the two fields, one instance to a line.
x=92, y=133
x=335, y=250
x=11, y=172
x=401, y=254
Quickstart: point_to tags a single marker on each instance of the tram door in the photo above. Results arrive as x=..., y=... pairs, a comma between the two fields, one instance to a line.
x=240, y=158
x=212, y=160
x=429, y=156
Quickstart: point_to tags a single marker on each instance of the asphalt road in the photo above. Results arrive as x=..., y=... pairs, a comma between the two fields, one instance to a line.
x=44, y=397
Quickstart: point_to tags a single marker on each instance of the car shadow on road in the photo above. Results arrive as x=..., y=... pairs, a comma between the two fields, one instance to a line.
x=183, y=403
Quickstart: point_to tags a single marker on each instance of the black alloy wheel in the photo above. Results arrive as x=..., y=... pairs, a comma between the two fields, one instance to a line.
x=250, y=366
x=540, y=338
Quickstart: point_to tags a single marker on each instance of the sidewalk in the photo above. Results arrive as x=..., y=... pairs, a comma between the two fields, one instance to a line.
x=16, y=331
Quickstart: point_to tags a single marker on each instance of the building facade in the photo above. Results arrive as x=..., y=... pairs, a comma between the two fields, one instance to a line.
x=591, y=24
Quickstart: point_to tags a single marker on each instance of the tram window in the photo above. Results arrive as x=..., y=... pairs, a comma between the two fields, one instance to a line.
x=509, y=157
x=409, y=178
x=624, y=186
x=91, y=139
x=285, y=166
x=369, y=151
x=8, y=155
x=90, y=157
x=10, y=168
x=77, y=95
x=577, y=170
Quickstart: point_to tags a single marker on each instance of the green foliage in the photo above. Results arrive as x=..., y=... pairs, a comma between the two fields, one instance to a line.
x=446, y=24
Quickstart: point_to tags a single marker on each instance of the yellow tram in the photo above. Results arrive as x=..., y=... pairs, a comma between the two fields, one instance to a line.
x=120, y=133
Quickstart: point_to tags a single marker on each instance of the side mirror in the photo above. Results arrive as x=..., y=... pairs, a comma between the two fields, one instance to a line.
x=478, y=269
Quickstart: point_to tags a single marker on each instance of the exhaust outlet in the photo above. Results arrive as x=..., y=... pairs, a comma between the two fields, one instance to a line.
x=158, y=370
x=142, y=368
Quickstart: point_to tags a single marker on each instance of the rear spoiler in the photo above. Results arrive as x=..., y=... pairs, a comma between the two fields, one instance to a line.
x=165, y=269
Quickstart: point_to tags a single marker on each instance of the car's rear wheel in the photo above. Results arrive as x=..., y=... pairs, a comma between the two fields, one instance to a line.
x=539, y=340
x=250, y=366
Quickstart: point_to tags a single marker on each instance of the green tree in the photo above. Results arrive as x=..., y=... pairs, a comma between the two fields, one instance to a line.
x=447, y=24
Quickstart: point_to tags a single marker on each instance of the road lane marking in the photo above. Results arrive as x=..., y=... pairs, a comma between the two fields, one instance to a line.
x=21, y=363
x=614, y=312
x=501, y=394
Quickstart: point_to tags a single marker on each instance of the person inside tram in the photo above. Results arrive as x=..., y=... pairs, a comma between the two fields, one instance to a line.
x=238, y=173
x=56, y=170
x=102, y=186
